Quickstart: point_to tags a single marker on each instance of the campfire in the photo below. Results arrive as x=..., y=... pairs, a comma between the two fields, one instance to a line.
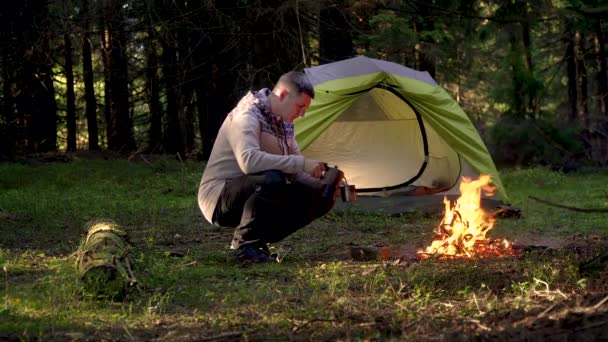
x=462, y=232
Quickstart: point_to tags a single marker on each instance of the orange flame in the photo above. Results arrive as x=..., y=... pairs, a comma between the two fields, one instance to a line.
x=462, y=232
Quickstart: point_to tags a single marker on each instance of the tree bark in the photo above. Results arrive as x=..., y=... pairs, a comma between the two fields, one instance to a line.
x=517, y=73
x=185, y=96
x=120, y=136
x=189, y=123
x=581, y=71
x=532, y=93
x=106, y=46
x=8, y=139
x=572, y=79
x=598, y=135
x=155, y=134
x=120, y=91
x=49, y=104
x=70, y=97
x=218, y=92
x=173, y=135
x=38, y=105
x=89, y=89
x=204, y=83
x=602, y=80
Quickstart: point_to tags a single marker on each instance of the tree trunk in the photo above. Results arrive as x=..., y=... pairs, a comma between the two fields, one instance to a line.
x=602, y=81
x=598, y=135
x=203, y=81
x=185, y=96
x=120, y=136
x=49, y=106
x=212, y=106
x=215, y=94
x=155, y=134
x=89, y=89
x=532, y=93
x=8, y=136
x=173, y=135
x=517, y=71
x=41, y=107
x=27, y=77
x=189, y=123
x=572, y=79
x=106, y=46
x=202, y=108
x=120, y=91
x=70, y=97
x=581, y=71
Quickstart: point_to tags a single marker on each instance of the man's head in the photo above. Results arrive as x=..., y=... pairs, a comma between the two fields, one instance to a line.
x=291, y=96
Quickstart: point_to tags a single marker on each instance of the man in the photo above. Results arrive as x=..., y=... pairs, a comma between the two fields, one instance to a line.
x=256, y=179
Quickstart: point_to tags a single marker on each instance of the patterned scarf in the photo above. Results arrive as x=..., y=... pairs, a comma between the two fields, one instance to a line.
x=258, y=103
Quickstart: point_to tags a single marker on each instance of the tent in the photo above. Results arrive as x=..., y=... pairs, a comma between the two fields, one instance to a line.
x=394, y=132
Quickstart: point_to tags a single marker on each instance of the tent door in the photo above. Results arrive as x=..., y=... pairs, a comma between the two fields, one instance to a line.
x=424, y=142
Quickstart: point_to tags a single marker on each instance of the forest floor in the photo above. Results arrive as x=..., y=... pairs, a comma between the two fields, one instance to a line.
x=192, y=288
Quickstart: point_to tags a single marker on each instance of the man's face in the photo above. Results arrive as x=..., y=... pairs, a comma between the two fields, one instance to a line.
x=293, y=105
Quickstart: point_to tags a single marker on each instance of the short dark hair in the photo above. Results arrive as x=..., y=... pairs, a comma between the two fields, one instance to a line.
x=299, y=81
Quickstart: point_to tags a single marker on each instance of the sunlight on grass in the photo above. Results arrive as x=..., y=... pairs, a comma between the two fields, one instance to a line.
x=191, y=287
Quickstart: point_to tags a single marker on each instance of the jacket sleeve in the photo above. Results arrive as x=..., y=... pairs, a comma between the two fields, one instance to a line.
x=303, y=177
x=244, y=139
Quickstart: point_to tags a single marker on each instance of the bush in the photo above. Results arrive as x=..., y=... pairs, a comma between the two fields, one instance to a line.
x=523, y=142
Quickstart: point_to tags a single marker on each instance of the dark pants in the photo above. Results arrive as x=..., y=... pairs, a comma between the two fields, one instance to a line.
x=265, y=208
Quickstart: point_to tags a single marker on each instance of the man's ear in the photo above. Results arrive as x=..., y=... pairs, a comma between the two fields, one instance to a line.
x=283, y=92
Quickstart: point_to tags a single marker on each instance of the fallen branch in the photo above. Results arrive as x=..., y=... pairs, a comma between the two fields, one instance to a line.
x=187, y=264
x=584, y=210
x=478, y=324
x=223, y=336
x=585, y=310
x=136, y=153
x=600, y=303
x=546, y=311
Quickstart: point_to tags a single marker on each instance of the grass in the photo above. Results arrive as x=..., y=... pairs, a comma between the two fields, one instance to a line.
x=192, y=289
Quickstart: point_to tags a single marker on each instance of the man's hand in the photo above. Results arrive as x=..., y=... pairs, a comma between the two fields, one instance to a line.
x=314, y=167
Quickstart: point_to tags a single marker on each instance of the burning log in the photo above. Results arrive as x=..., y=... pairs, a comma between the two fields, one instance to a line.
x=462, y=232
x=102, y=261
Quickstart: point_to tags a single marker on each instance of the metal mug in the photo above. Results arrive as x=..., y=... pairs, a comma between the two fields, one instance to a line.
x=348, y=193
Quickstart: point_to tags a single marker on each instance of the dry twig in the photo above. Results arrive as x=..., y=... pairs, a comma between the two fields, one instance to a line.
x=306, y=323
x=479, y=325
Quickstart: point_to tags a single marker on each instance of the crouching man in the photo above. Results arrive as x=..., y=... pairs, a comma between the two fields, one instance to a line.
x=256, y=179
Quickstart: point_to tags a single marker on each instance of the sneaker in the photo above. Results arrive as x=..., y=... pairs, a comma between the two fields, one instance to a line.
x=254, y=255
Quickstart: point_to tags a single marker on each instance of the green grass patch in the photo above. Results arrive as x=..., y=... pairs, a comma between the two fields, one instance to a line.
x=191, y=288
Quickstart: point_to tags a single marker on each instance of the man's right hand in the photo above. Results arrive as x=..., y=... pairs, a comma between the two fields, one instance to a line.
x=314, y=167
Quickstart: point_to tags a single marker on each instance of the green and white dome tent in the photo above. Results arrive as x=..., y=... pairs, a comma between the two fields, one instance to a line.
x=393, y=131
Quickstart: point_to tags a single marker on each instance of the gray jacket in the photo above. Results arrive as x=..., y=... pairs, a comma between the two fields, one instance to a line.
x=250, y=140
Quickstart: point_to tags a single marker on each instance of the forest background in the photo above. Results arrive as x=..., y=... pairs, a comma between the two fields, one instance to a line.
x=160, y=76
